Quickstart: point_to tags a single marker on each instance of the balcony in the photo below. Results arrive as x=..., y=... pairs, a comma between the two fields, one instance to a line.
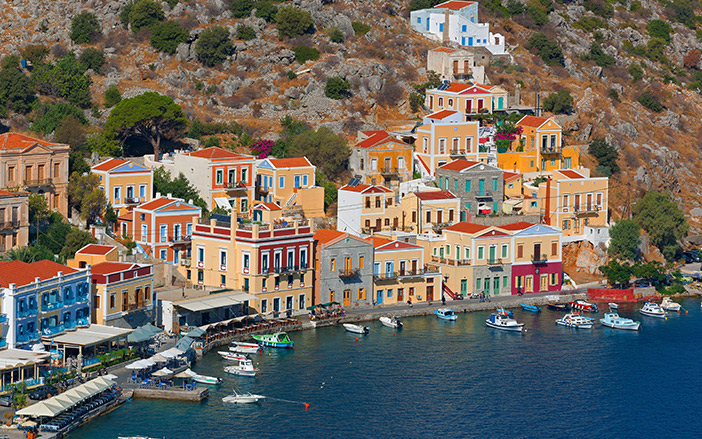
x=81, y=298
x=262, y=190
x=586, y=211
x=181, y=240
x=386, y=276
x=494, y=261
x=389, y=172
x=132, y=306
x=438, y=227
x=26, y=313
x=82, y=322
x=453, y=262
x=289, y=269
x=462, y=73
x=347, y=274
x=69, y=301
x=185, y=262
x=132, y=200
x=40, y=182
x=9, y=225
x=550, y=150
x=458, y=152
x=51, y=306
x=539, y=259
x=417, y=273
x=70, y=325
x=235, y=186
x=52, y=330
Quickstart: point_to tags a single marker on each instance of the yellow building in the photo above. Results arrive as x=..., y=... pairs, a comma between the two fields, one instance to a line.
x=290, y=183
x=399, y=275
x=573, y=200
x=124, y=183
x=380, y=158
x=467, y=98
x=121, y=288
x=93, y=254
x=366, y=209
x=513, y=184
x=429, y=211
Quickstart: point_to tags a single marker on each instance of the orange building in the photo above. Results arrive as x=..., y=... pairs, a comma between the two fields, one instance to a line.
x=467, y=98
x=290, y=183
x=93, y=254
x=124, y=183
x=380, y=158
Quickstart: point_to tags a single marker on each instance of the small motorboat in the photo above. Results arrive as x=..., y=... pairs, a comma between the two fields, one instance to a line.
x=652, y=309
x=558, y=306
x=233, y=356
x=276, y=340
x=244, y=367
x=203, y=379
x=669, y=305
x=391, y=322
x=581, y=305
x=445, y=314
x=575, y=320
x=358, y=329
x=613, y=306
x=243, y=398
x=245, y=348
x=503, y=322
x=530, y=308
x=504, y=312
x=613, y=320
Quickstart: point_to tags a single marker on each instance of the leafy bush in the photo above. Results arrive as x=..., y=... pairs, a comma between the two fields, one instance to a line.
x=613, y=94
x=291, y=74
x=360, y=28
x=589, y=24
x=559, y=102
x=599, y=56
x=293, y=21
x=547, y=49
x=605, y=154
x=636, y=71
x=35, y=53
x=625, y=238
x=124, y=14
x=305, y=53
x=16, y=90
x=514, y=7
x=65, y=79
x=213, y=141
x=49, y=116
x=266, y=10
x=92, y=58
x=659, y=29
x=663, y=220
x=336, y=88
x=536, y=13
x=336, y=35
x=244, y=32
x=416, y=101
x=83, y=27
x=167, y=35
x=599, y=7
x=390, y=94
x=683, y=12
x=655, y=50
x=325, y=149
x=650, y=102
x=145, y=13
x=112, y=96
x=242, y=8
x=214, y=46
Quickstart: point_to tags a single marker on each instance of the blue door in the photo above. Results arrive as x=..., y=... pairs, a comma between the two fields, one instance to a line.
x=500, y=103
x=427, y=24
x=379, y=297
x=470, y=41
x=463, y=41
x=441, y=27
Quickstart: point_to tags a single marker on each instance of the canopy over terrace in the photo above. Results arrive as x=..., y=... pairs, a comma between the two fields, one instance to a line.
x=65, y=401
x=89, y=342
x=211, y=309
x=18, y=365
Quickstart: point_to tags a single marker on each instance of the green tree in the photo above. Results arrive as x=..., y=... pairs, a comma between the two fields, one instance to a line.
x=599, y=56
x=242, y=8
x=244, y=32
x=663, y=220
x=650, y=102
x=84, y=194
x=659, y=29
x=635, y=70
x=38, y=208
x=71, y=131
x=112, y=96
x=266, y=10
x=124, y=13
x=48, y=117
x=179, y=187
x=83, y=27
x=617, y=274
x=16, y=91
x=110, y=216
x=684, y=12
x=293, y=21
x=651, y=271
x=605, y=154
x=92, y=58
x=305, y=53
x=145, y=13
x=76, y=163
x=75, y=240
x=336, y=88
x=150, y=116
x=213, y=45
x=167, y=35
x=330, y=191
x=55, y=237
x=336, y=35
x=559, y=102
x=360, y=28
x=329, y=152
x=65, y=79
x=547, y=49
x=625, y=237
x=35, y=53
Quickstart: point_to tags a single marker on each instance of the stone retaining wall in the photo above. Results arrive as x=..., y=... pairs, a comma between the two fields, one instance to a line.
x=178, y=395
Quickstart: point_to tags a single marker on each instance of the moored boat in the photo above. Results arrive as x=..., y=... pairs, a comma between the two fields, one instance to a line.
x=575, y=320
x=652, y=309
x=245, y=348
x=504, y=312
x=613, y=320
x=613, y=306
x=530, y=308
x=558, y=306
x=669, y=305
x=244, y=367
x=358, y=329
x=203, y=379
x=276, y=340
x=233, y=356
x=581, y=305
x=243, y=398
x=503, y=322
x=445, y=314
x=391, y=322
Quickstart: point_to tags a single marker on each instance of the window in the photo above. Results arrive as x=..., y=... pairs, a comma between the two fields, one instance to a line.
x=450, y=102
x=304, y=180
x=414, y=216
x=281, y=182
x=377, y=202
x=478, y=284
x=466, y=252
x=222, y=258
x=442, y=146
x=297, y=182
x=426, y=145
x=554, y=248
x=301, y=302
x=57, y=170
x=554, y=278
x=11, y=173
x=245, y=260
x=361, y=165
x=428, y=215
x=244, y=175
x=481, y=252
x=544, y=141
x=494, y=184
x=481, y=187
x=565, y=224
x=567, y=163
x=450, y=217
x=360, y=261
x=332, y=265
x=505, y=282
x=467, y=185
x=231, y=178
x=163, y=255
x=97, y=302
x=219, y=176
x=189, y=229
x=464, y=28
x=401, y=163
x=520, y=250
x=457, y=255
x=163, y=232
x=201, y=255
x=222, y=279
x=565, y=202
x=361, y=294
x=291, y=257
x=553, y=141
x=117, y=191
x=441, y=102
x=532, y=204
x=303, y=258
x=264, y=305
x=112, y=300
x=419, y=19
x=504, y=250
x=368, y=203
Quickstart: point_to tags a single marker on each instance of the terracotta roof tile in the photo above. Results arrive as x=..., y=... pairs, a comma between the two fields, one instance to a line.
x=95, y=249
x=20, y=141
x=458, y=165
x=269, y=206
x=532, y=121
x=435, y=195
x=326, y=235
x=6, y=193
x=464, y=227
x=293, y=162
x=365, y=188
x=439, y=115
x=521, y=225
x=111, y=267
x=375, y=137
x=444, y=49
x=155, y=204
x=509, y=176
x=571, y=174
x=215, y=152
x=22, y=273
x=109, y=165
x=454, y=4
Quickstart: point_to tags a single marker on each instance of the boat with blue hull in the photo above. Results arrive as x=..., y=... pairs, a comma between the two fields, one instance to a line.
x=613, y=320
x=445, y=314
x=530, y=308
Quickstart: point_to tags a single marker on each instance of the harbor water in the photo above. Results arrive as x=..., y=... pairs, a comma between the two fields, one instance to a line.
x=459, y=379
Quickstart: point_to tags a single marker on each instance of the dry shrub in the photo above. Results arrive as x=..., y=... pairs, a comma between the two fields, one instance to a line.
x=619, y=73
x=390, y=94
x=302, y=40
x=409, y=73
x=118, y=39
x=248, y=62
x=352, y=125
x=332, y=61
x=57, y=50
x=144, y=35
x=188, y=21
x=560, y=72
x=631, y=159
x=326, y=47
x=256, y=110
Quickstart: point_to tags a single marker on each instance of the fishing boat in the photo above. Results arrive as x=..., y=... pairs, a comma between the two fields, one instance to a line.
x=669, y=305
x=245, y=348
x=358, y=329
x=504, y=312
x=575, y=320
x=652, y=309
x=391, y=322
x=445, y=314
x=243, y=398
x=503, y=322
x=233, y=356
x=530, y=308
x=613, y=320
x=558, y=306
x=203, y=379
x=244, y=367
x=277, y=340
x=613, y=306
x=581, y=305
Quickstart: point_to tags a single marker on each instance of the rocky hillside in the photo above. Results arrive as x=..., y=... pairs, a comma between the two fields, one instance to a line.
x=658, y=150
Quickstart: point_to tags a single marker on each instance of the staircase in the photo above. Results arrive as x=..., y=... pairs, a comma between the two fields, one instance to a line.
x=450, y=293
x=291, y=200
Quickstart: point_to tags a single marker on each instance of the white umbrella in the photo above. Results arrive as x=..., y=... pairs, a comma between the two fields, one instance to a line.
x=110, y=376
x=162, y=372
x=137, y=365
x=158, y=358
x=148, y=362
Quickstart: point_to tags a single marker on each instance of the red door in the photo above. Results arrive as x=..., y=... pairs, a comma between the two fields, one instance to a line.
x=469, y=106
x=430, y=294
x=480, y=105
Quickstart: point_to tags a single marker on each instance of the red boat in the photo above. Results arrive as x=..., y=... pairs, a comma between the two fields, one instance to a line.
x=582, y=305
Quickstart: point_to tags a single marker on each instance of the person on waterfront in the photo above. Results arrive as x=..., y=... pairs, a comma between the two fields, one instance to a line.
x=409, y=302
x=443, y=299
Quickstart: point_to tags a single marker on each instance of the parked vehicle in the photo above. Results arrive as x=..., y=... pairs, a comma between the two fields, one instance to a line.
x=6, y=400
x=43, y=392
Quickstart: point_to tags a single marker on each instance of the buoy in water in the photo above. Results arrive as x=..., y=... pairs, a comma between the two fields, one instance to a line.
x=393, y=333
x=356, y=338
x=307, y=406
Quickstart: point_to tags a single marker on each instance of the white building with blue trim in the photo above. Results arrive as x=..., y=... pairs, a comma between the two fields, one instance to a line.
x=456, y=22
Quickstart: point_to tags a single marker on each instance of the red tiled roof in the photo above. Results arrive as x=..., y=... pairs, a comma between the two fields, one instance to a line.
x=126, y=217
x=20, y=141
x=509, y=176
x=215, y=152
x=293, y=162
x=111, y=267
x=444, y=49
x=22, y=273
x=94, y=249
x=383, y=244
x=457, y=87
x=458, y=165
x=464, y=227
x=269, y=206
x=442, y=114
x=532, y=121
x=155, y=204
x=571, y=174
x=521, y=225
x=365, y=188
x=453, y=4
x=476, y=89
x=109, y=165
x=435, y=195
x=377, y=241
x=6, y=193
x=374, y=138
x=326, y=235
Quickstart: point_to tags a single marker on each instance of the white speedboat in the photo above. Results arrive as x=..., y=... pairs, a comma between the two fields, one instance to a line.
x=358, y=329
x=243, y=398
x=391, y=322
x=503, y=322
x=652, y=309
x=669, y=305
x=244, y=367
x=613, y=306
x=445, y=314
x=575, y=320
x=245, y=348
x=203, y=379
x=612, y=320
x=233, y=356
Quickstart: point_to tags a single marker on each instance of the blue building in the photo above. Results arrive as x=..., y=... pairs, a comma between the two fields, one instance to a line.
x=42, y=300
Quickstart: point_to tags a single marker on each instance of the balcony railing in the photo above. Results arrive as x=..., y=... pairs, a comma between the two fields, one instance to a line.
x=494, y=261
x=38, y=182
x=418, y=272
x=9, y=225
x=235, y=185
x=132, y=200
x=345, y=274
x=262, y=189
x=386, y=276
x=51, y=306
x=81, y=298
x=389, y=171
x=69, y=325
x=26, y=313
x=69, y=301
x=586, y=210
x=289, y=269
x=132, y=306
x=448, y=261
x=550, y=150
x=458, y=151
x=83, y=321
x=53, y=330
x=185, y=262
x=539, y=259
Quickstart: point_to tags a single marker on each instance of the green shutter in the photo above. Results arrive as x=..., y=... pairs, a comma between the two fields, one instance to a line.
x=467, y=185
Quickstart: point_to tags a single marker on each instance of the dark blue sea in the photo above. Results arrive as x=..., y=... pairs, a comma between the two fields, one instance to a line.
x=440, y=379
